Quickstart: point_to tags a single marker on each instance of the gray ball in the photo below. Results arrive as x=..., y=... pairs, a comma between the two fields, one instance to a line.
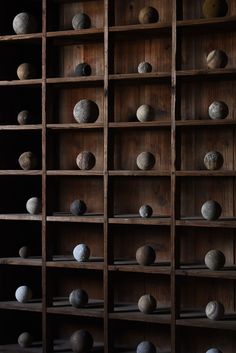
x=216, y=59
x=23, y=294
x=148, y=15
x=24, y=252
x=81, y=21
x=86, y=111
x=78, y=207
x=25, y=340
x=24, y=23
x=145, y=255
x=213, y=350
x=215, y=260
x=81, y=341
x=24, y=117
x=144, y=67
x=213, y=160
x=145, y=211
x=27, y=161
x=83, y=69
x=218, y=110
x=85, y=160
x=34, y=205
x=215, y=310
x=81, y=253
x=145, y=161
x=211, y=210
x=145, y=113
x=78, y=298
x=146, y=347
x=147, y=304
x=26, y=71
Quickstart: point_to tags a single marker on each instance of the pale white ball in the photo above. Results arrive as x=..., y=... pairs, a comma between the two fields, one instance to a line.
x=81, y=253
x=23, y=294
x=34, y=205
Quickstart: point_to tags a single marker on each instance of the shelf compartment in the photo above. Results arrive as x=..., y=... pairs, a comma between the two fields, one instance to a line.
x=207, y=23
x=156, y=318
x=61, y=306
x=202, y=322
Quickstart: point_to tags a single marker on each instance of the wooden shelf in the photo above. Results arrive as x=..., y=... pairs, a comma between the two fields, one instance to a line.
x=83, y=34
x=228, y=272
x=205, y=122
x=70, y=262
x=74, y=172
x=61, y=306
x=133, y=266
x=31, y=82
x=206, y=73
x=153, y=28
x=18, y=261
x=33, y=305
x=135, y=219
x=138, y=173
x=15, y=348
x=205, y=173
x=75, y=126
x=85, y=80
x=139, y=125
x=199, y=320
x=152, y=76
x=207, y=23
x=199, y=222
x=32, y=37
x=76, y=219
x=20, y=217
x=20, y=127
x=20, y=172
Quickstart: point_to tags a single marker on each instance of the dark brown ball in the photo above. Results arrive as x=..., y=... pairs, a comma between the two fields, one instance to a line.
x=85, y=160
x=78, y=207
x=24, y=23
x=213, y=160
x=145, y=211
x=83, y=69
x=145, y=255
x=215, y=260
x=81, y=341
x=86, y=111
x=24, y=117
x=147, y=304
x=81, y=21
x=216, y=59
x=214, y=8
x=26, y=71
x=211, y=210
x=148, y=15
x=145, y=161
x=218, y=110
x=27, y=161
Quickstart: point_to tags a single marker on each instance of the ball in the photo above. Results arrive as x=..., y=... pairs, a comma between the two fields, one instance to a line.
x=145, y=113
x=81, y=21
x=146, y=347
x=83, y=69
x=213, y=160
x=145, y=161
x=211, y=210
x=27, y=161
x=145, y=211
x=85, y=160
x=24, y=252
x=145, y=255
x=24, y=23
x=216, y=59
x=78, y=207
x=218, y=110
x=144, y=67
x=25, y=340
x=23, y=294
x=215, y=310
x=213, y=350
x=81, y=253
x=86, y=111
x=147, y=304
x=26, y=71
x=78, y=298
x=24, y=117
x=214, y=8
x=34, y=205
x=81, y=341
x=215, y=260
x=148, y=15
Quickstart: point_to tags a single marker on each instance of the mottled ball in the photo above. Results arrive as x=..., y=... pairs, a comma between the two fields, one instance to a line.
x=24, y=117
x=26, y=71
x=215, y=310
x=145, y=113
x=27, y=161
x=23, y=294
x=83, y=69
x=24, y=252
x=145, y=211
x=214, y=8
x=147, y=304
x=24, y=23
x=211, y=210
x=213, y=160
x=144, y=67
x=146, y=347
x=34, y=205
x=86, y=111
x=85, y=160
x=145, y=255
x=25, y=340
x=148, y=15
x=78, y=207
x=81, y=341
x=214, y=350
x=78, y=298
x=81, y=253
x=215, y=260
x=218, y=110
x=216, y=59
x=145, y=161
x=81, y=21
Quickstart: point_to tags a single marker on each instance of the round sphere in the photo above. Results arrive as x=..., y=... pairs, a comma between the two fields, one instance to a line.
x=81, y=341
x=78, y=298
x=78, y=207
x=26, y=71
x=144, y=67
x=81, y=253
x=24, y=23
x=215, y=310
x=213, y=160
x=145, y=113
x=145, y=161
x=85, y=160
x=83, y=69
x=25, y=340
x=148, y=15
x=218, y=110
x=145, y=211
x=145, y=255
x=211, y=210
x=34, y=205
x=23, y=294
x=146, y=347
x=24, y=252
x=81, y=21
x=27, y=161
x=215, y=260
x=147, y=304
x=24, y=117
x=214, y=8
x=213, y=350
x=216, y=59
x=86, y=111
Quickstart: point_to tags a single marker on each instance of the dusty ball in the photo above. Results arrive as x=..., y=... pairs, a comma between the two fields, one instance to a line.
x=144, y=67
x=145, y=161
x=78, y=298
x=34, y=205
x=215, y=310
x=81, y=341
x=218, y=110
x=78, y=207
x=213, y=160
x=86, y=111
x=27, y=161
x=26, y=71
x=147, y=304
x=145, y=113
x=146, y=347
x=85, y=160
x=215, y=260
x=24, y=252
x=148, y=15
x=81, y=253
x=23, y=294
x=145, y=211
x=25, y=340
x=81, y=21
x=145, y=255
x=83, y=69
x=214, y=8
x=24, y=23
x=216, y=59
x=24, y=117
x=211, y=210
x=213, y=350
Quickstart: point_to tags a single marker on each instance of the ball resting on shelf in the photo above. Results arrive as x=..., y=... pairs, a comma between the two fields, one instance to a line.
x=144, y=67
x=148, y=15
x=213, y=160
x=145, y=211
x=215, y=310
x=24, y=117
x=147, y=304
x=215, y=260
x=218, y=110
x=146, y=347
x=23, y=294
x=24, y=252
x=78, y=207
x=27, y=161
x=26, y=71
x=34, y=205
x=25, y=340
x=145, y=113
x=214, y=8
x=81, y=341
x=145, y=255
x=216, y=59
x=214, y=350
x=83, y=69
x=24, y=23
x=211, y=210
x=78, y=298
x=85, y=160
x=145, y=161
x=81, y=21
x=86, y=111
x=81, y=253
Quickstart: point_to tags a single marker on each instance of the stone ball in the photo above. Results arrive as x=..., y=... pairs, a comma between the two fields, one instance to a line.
x=26, y=71
x=81, y=21
x=147, y=304
x=83, y=69
x=81, y=341
x=213, y=160
x=24, y=23
x=148, y=15
x=211, y=210
x=25, y=340
x=145, y=161
x=24, y=117
x=145, y=255
x=215, y=260
x=86, y=111
x=24, y=252
x=81, y=253
x=213, y=350
x=215, y=310
x=144, y=67
x=34, y=205
x=78, y=207
x=23, y=294
x=27, y=161
x=214, y=8
x=218, y=110
x=85, y=160
x=146, y=347
x=145, y=211
x=78, y=298
x=145, y=113
x=217, y=59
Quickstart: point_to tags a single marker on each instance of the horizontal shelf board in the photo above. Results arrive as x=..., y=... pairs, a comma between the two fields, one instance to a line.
x=133, y=266
x=228, y=272
x=21, y=37
x=21, y=127
x=70, y=262
x=64, y=346
x=147, y=173
x=18, y=261
x=142, y=28
x=123, y=349
x=205, y=122
x=75, y=126
x=199, y=222
x=31, y=82
x=61, y=306
x=20, y=172
x=136, y=219
x=75, y=80
x=32, y=305
x=205, y=173
x=36, y=347
x=199, y=320
x=139, y=125
x=20, y=217
x=206, y=73
x=66, y=217
x=75, y=172
x=207, y=22
x=137, y=76
x=77, y=34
